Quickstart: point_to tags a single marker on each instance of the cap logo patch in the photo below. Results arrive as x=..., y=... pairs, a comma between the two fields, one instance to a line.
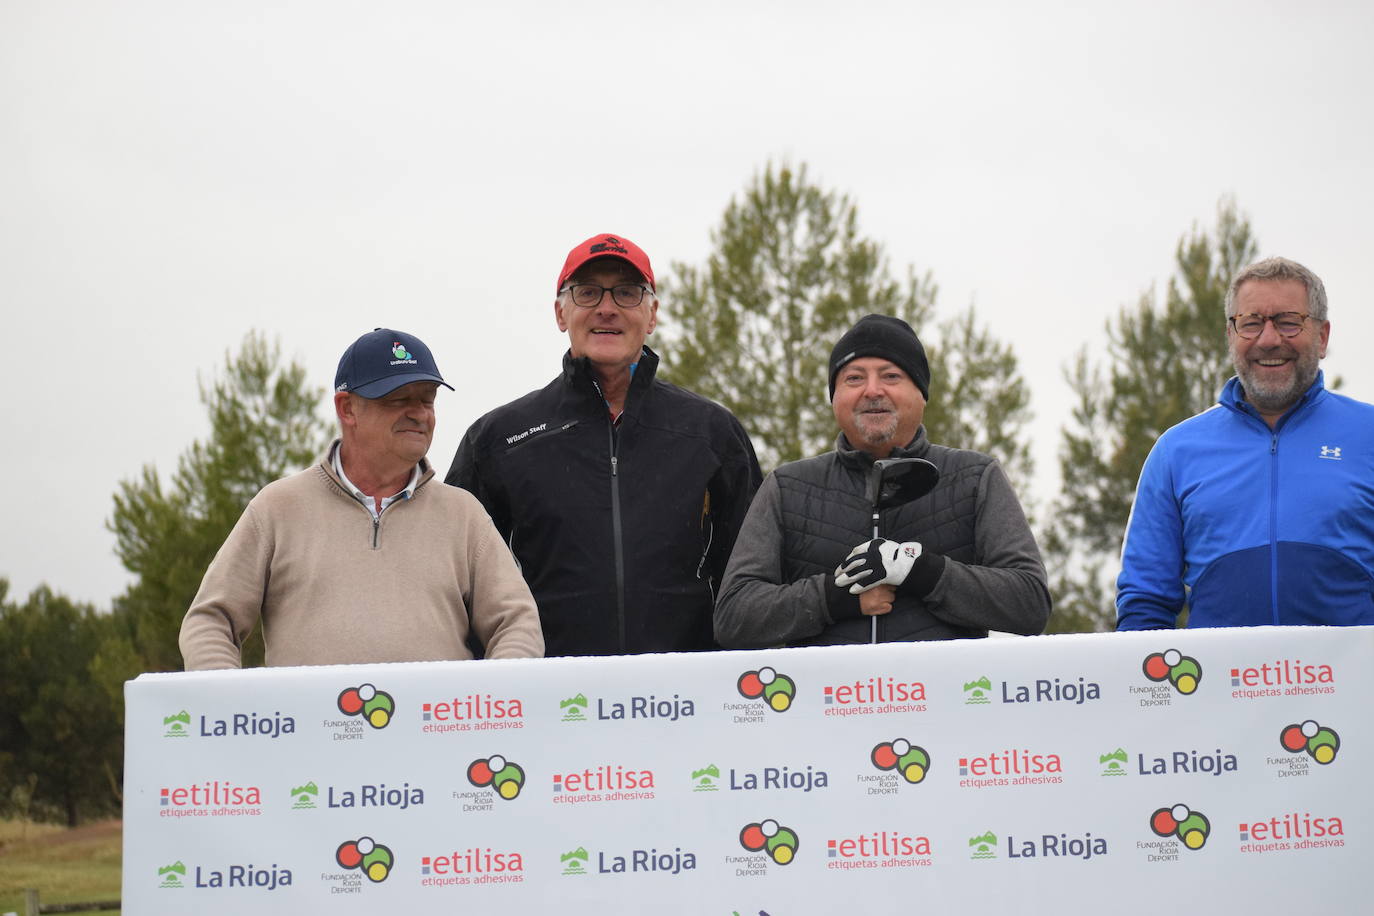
x=610, y=244
x=402, y=355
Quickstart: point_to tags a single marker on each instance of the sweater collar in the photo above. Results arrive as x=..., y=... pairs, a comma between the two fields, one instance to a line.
x=422, y=473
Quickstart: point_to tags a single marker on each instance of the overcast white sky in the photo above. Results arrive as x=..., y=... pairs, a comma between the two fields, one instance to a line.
x=175, y=174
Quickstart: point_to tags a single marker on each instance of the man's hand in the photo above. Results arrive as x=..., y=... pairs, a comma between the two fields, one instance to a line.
x=877, y=562
x=877, y=600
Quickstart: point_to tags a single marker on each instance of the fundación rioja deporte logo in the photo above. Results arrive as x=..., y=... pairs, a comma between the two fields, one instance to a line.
x=1173, y=666
x=1320, y=742
x=1192, y=827
x=777, y=690
x=376, y=707
x=368, y=856
x=506, y=777
x=768, y=836
x=899, y=754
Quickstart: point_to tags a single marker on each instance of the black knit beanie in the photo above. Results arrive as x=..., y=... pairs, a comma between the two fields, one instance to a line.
x=888, y=338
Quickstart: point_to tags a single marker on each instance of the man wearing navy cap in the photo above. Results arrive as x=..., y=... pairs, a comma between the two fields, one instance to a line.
x=620, y=494
x=361, y=558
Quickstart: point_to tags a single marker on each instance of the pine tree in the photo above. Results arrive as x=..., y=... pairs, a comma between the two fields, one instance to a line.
x=264, y=424
x=1163, y=364
x=790, y=272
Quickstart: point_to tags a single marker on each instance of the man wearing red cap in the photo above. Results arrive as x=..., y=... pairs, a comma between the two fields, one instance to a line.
x=620, y=495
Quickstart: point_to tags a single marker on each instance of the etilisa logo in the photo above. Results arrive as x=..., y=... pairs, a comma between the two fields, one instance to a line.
x=1182, y=823
x=178, y=725
x=505, y=777
x=876, y=695
x=1113, y=763
x=774, y=840
x=976, y=692
x=878, y=849
x=474, y=712
x=574, y=708
x=1010, y=767
x=474, y=865
x=1288, y=677
x=776, y=689
x=607, y=782
x=907, y=759
x=214, y=798
x=705, y=779
x=303, y=798
x=1182, y=671
x=1295, y=830
x=373, y=706
x=367, y=856
x=1320, y=742
x=983, y=846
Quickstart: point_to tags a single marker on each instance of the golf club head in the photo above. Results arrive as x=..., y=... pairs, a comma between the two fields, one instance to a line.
x=897, y=481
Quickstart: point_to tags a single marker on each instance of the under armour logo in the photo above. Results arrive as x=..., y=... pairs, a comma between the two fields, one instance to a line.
x=1331, y=451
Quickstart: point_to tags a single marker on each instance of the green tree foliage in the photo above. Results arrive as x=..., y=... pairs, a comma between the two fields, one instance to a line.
x=790, y=272
x=1163, y=363
x=264, y=424
x=978, y=399
x=61, y=727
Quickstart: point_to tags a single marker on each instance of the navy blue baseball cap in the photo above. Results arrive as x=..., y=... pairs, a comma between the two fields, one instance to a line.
x=378, y=363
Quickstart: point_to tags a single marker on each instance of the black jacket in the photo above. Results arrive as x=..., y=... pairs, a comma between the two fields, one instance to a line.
x=622, y=531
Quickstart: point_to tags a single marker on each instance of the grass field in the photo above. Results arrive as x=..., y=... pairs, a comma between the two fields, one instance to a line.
x=65, y=865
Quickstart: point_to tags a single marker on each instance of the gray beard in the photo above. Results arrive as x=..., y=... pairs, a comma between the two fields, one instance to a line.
x=1277, y=398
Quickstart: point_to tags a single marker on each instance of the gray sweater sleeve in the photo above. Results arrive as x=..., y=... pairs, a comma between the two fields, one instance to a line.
x=756, y=609
x=1006, y=588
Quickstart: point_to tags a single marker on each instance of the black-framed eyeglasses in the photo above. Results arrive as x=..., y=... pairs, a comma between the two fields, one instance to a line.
x=587, y=295
x=1251, y=324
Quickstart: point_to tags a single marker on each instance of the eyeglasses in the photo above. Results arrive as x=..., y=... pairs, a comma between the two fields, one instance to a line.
x=587, y=295
x=1251, y=325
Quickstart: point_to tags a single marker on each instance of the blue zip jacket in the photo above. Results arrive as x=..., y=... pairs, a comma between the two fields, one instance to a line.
x=1252, y=526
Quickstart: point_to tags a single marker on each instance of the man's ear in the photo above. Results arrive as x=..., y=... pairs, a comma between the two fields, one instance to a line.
x=343, y=408
x=558, y=316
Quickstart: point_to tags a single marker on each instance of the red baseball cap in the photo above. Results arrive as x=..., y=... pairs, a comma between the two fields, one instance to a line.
x=607, y=246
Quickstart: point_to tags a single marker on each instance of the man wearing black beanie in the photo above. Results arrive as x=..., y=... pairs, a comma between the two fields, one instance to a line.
x=960, y=561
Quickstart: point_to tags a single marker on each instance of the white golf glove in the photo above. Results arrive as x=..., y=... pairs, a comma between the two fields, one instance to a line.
x=876, y=562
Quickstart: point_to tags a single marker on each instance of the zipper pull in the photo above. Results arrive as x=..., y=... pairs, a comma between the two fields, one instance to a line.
x=614, y=463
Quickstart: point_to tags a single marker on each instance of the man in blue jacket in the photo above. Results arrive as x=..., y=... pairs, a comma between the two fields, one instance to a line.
x=1259, y=510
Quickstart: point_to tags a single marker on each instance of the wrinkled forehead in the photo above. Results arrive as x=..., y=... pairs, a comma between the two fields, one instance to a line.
x=607, y=271
x=1269, y=296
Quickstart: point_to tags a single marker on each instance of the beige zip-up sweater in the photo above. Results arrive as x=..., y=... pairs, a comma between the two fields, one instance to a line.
x=331, y=587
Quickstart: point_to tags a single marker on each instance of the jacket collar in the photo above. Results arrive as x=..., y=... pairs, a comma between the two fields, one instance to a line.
x=578, y=370
x=855, y=458
x=1233, y=396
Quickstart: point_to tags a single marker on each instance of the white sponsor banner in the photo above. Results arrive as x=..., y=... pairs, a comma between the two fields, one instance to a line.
x=1197, y=771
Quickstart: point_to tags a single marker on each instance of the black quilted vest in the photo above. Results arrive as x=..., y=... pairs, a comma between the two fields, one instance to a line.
x=825, y=515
